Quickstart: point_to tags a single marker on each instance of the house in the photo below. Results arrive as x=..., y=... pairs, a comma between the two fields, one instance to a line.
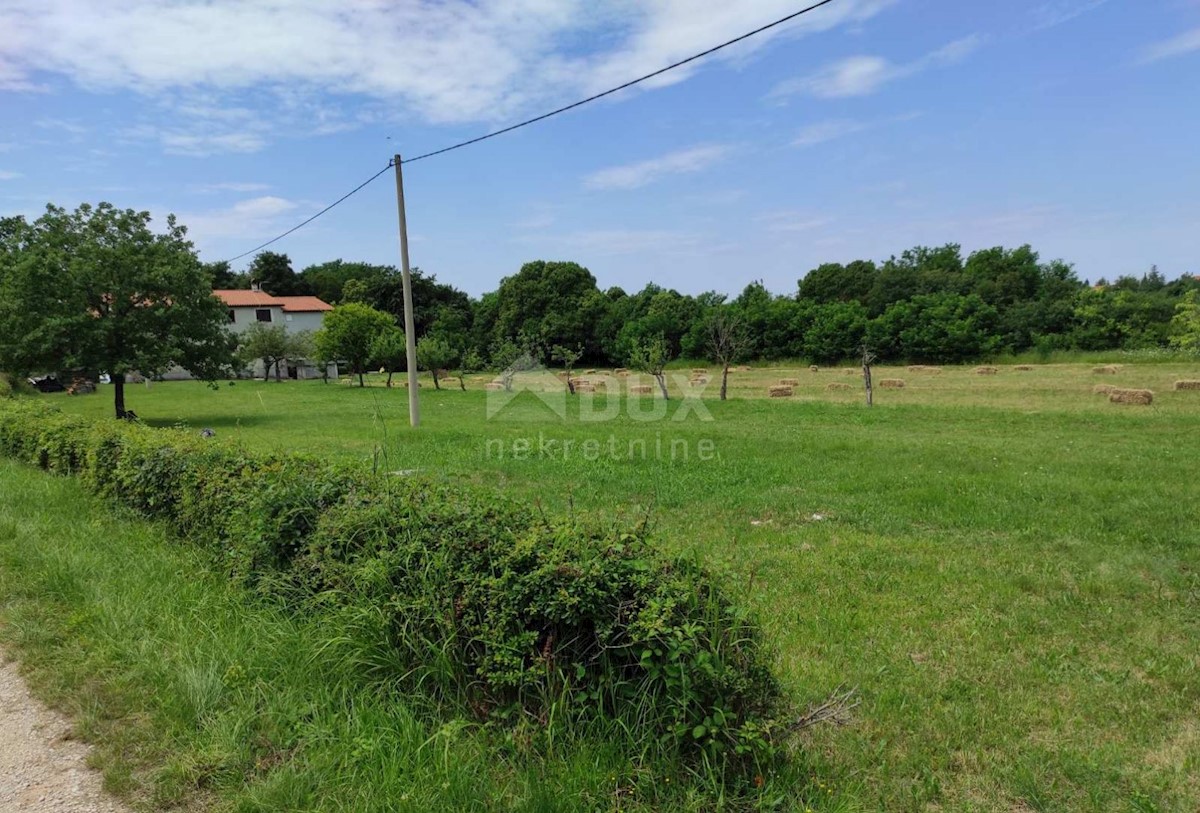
x=295, y=313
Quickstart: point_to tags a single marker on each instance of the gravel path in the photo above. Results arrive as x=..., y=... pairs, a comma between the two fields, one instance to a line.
x=41, y=768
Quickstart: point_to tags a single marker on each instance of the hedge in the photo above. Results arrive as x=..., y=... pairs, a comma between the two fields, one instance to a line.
x=523, y=619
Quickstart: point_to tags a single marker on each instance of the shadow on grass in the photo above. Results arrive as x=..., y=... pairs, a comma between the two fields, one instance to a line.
x=209, y=421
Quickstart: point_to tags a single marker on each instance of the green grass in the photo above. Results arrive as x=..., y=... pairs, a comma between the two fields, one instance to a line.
x=1007, y=567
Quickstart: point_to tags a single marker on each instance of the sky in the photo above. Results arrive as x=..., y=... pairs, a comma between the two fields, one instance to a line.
x=857, y=131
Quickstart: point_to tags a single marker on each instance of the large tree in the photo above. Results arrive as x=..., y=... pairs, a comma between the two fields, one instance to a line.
x=349, y=334
x=97, y=290
x=274, y=274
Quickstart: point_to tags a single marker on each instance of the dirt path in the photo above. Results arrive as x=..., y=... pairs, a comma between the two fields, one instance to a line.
x=41, y=769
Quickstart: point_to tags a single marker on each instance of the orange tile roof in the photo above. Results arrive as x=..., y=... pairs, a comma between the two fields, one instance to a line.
x=246, y=299
x=302, y=304
x=260, y=299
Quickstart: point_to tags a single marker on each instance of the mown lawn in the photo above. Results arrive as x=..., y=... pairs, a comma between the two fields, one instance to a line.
x=1006, y=567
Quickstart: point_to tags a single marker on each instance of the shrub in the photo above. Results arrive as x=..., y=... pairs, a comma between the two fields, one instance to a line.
x=476, y=597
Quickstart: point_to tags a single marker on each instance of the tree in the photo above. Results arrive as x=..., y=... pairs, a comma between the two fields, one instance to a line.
x=834, y=282
x=567, y=357
x=223, y=276
x=727, y=341
x=390, y=351
x=349, y=333
x=651, y=356
x=470, y=362
x=273, y=273
x=434, y=355
x=1185, y=326
x=97, y=290
x=939, y=328
x=266, y=342
x=328, y=280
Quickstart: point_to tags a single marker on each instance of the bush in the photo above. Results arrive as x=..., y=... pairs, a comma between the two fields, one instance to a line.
x=527, y=621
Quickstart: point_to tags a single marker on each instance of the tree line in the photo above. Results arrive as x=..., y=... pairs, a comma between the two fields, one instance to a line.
x=928, y=304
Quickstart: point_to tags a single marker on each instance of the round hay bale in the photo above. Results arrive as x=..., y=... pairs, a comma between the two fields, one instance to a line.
x=1137, y=397
x=1107, y=369
x=789, y=382
x=1187, y=384
x=891, y=383
x=1102, y=389
x=641, y=389
x=986, y=370
x=1024, y=368
x=814, y=369
x=780, y=392
x=838, y=386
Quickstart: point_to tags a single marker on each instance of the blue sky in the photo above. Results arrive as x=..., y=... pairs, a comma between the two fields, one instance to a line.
x=863, y=129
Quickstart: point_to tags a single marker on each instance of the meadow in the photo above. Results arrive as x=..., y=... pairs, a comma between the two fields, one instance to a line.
x=1006, y=567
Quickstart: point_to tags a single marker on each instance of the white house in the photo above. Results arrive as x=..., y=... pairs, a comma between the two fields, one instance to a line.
x=295, y=313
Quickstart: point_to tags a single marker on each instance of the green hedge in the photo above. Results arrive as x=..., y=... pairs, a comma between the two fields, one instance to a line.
x=527, y=621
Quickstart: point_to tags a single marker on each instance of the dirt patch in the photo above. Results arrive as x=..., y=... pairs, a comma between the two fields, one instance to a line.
x=41, y=768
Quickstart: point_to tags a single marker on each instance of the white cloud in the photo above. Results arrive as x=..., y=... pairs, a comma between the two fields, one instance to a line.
x=633, y=176
x=833, y=129
x=791, y=222
x=1051, y=14
x=254, y=217
x=6, y=175
x=452, y=61
x=863, y=75
x=1185, y=43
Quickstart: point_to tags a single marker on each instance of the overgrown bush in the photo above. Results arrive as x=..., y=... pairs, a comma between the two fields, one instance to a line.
x=530, y=622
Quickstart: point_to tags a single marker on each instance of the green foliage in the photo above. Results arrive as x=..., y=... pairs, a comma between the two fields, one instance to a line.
x=483, y=602
x=1185, y=326
x=942, y=328
x=651, y=356
x=97, y=290
x=435, y=354
x=273, y=344
x=389, y=350
x=349, y=333
x=274, y=274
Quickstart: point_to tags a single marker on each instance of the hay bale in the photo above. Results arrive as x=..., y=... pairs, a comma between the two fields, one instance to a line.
x=1138, y=397
x=622, y=374
x=493, y=386
x=641, y=389
x=620, y=370
x=699, y=370
x=699, y=379
x=837, y=386
x=1187, y=385
x=780, y=392
x=850, y=371
x=584, y=388
x=789, y=382
x=924, y=368
x=1102, y=389
x=1024, y=368
x=891, y=383
x=986, y=370
x=814, y=369
x=1107, y=369
x=743, y=368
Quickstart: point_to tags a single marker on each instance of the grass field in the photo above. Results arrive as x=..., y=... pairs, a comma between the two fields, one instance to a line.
x=1007, y=567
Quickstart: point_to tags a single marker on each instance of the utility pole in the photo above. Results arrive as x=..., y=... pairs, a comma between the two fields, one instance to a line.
x=410, y=331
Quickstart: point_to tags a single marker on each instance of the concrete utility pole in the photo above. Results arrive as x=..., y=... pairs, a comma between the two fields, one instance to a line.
x=410, y=331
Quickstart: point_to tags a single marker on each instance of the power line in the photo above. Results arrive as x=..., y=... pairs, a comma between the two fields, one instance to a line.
x=545, y=116
x=628, y=84
x=301, y=225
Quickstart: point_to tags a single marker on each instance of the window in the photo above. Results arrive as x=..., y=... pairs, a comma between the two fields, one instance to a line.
x=232, y=316
x=263, y=314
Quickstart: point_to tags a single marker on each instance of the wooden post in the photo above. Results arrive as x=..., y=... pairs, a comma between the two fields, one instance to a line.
x=410, y=331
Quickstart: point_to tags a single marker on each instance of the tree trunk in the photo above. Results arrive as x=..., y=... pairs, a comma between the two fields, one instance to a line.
x=436, y=385
x=118, y=380
x=724, y=380
x=361, y=383
x=389, y=381
x=462, y=383
x=277, y=362
x=662, y=385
